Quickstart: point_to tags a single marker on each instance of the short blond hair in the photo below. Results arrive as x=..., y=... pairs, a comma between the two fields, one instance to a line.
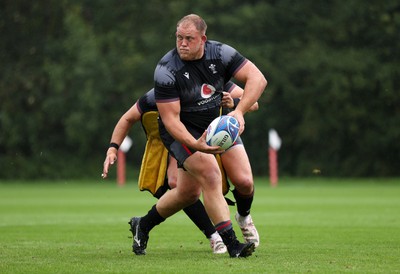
x=196, y=20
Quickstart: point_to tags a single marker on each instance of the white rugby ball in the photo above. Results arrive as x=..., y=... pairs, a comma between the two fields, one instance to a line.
x=223, y=132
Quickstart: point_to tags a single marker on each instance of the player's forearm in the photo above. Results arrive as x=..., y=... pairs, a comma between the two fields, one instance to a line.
x=254, y=107
x=179, y=132
x=121, y=131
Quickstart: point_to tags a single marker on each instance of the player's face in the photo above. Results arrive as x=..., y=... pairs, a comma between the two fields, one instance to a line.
x=189, y=42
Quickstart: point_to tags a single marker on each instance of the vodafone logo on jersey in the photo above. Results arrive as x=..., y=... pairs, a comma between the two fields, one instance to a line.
x=207, y=91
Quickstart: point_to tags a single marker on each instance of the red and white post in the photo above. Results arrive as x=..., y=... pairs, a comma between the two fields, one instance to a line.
x=121, y=162
x=121, y=168
x=273, y=166
x=274, y=145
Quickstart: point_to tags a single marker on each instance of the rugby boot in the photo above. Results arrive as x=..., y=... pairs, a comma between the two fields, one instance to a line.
x=235, y=248
x=216, y=244
x=139, y=237
x=248, y=228
x=241, y=250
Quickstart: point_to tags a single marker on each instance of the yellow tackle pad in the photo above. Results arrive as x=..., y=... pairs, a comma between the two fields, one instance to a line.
x=155, y=159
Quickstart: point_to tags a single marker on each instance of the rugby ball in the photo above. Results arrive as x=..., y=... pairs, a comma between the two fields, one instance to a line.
x=223, y=132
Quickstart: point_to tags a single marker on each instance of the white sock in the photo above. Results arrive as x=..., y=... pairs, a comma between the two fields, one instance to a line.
x=242, y=220
x=215, y=236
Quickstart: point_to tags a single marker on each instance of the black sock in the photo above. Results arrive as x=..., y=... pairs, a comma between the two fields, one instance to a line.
x=149, y=221
x=226, y=232
x=197, y=213
x=243, y=202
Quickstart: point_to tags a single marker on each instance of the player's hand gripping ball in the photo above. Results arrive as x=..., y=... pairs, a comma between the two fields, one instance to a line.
x=223, y=132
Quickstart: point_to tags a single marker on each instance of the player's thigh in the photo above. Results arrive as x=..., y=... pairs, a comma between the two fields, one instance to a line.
x=187, y=184
x=203, y=167
x=237, y=165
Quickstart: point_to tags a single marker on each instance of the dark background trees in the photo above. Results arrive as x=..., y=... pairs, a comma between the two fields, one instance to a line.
x=69, y=69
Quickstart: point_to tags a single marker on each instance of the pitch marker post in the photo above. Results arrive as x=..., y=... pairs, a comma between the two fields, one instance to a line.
x=121, y=163
x=275, y=143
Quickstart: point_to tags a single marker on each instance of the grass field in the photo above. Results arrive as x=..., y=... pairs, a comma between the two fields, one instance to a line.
x=306, y=225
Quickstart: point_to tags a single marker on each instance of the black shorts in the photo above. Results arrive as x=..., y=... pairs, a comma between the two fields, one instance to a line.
x=180, y=151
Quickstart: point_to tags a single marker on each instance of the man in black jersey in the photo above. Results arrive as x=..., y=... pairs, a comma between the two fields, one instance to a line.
x=188, y=84
x=139, y=113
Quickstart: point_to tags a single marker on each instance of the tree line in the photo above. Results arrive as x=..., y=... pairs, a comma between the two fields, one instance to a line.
x=70, y=69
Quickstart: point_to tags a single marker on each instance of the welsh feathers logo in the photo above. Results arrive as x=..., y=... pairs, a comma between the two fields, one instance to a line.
x=207, y=91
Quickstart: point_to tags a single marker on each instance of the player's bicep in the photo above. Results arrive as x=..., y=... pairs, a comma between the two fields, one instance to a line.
x=245, y=71
x=169, y=112
x=236, y=92
x=132, y=115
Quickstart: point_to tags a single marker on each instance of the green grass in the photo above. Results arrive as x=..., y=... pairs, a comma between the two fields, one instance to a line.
x=306, y=225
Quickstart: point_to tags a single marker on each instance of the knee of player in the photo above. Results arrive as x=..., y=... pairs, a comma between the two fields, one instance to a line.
x=212, y=173
x=245, y=184
x=172, y=182
x=191, y=197
x=172, y=175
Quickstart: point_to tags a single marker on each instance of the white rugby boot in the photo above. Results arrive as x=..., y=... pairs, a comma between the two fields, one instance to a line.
x=248, y=228
x=216, y=244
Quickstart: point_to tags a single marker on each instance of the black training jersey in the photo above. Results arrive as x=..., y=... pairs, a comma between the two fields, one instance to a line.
x=147, y=102
x=198, y=84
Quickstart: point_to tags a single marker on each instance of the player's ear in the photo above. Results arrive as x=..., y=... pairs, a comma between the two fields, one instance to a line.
x=204, y=38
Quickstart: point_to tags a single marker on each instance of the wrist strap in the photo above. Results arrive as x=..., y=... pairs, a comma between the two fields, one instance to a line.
x=235, y=102
x=114, y=145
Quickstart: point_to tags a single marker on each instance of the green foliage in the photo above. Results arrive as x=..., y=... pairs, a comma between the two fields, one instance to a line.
x=330, y=89
x=70, y=69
